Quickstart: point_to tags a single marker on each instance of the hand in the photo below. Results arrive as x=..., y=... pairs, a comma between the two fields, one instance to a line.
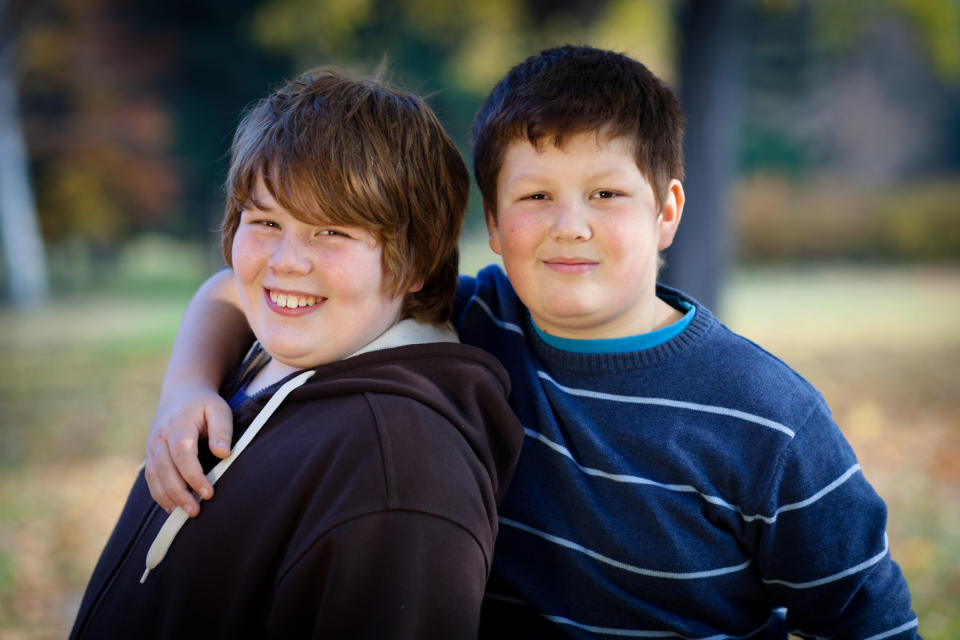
x=172, y=462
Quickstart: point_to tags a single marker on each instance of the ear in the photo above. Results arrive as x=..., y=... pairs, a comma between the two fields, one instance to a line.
x=416, y=286
x=492, y=229
x=670, y=214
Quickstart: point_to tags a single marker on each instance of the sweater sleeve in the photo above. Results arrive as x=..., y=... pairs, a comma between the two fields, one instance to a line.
x=824, y=553
x=390, y=574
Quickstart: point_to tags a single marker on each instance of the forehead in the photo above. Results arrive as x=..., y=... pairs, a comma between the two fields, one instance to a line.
x=589, y=153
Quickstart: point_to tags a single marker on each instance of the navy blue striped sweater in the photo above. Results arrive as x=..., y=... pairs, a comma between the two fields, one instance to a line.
x=698, y=489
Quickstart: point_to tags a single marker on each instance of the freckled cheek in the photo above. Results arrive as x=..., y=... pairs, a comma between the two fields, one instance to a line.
x=240, y=256
x=351, y=273
x=248, y=256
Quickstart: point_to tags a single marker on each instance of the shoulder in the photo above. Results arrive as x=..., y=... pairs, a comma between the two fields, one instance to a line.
x=432, y=420
x=727, y=365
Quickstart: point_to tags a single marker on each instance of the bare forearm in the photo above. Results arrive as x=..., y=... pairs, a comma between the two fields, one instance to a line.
x=212, y=337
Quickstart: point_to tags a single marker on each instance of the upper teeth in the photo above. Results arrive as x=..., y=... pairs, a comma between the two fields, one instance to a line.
x=291, y=301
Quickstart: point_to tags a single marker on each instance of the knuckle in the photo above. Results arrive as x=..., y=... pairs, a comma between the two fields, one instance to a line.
x=182, y=453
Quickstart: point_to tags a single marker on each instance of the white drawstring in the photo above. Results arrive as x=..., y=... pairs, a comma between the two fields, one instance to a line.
x=178, y=517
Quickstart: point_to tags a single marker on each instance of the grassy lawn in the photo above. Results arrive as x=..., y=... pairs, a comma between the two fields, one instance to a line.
x=82, y=377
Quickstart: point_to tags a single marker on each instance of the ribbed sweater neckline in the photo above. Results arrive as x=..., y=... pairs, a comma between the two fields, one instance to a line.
x=597, y=363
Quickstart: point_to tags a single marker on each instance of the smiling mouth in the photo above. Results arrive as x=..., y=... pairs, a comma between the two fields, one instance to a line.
x=570, y=265
x=292, y=300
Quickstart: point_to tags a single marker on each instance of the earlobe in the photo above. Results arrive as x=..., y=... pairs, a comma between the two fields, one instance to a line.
x=492, y=229
x=670, y=213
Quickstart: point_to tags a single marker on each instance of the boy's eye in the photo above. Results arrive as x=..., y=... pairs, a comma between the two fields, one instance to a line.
x=537, y=196
x=605, y=194
x=266, y=223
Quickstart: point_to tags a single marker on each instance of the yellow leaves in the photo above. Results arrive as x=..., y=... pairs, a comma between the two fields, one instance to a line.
x=480, y=39
x=938, y=25
x=328, y=26
x=644, y=30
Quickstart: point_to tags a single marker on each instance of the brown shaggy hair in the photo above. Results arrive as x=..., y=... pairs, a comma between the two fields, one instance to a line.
x=334, y=150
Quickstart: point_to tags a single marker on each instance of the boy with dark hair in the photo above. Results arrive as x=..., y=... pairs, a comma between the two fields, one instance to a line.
x=374, y=447
x=676, y=480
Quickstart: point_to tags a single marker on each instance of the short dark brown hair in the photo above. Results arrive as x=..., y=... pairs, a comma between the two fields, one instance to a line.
x=331, y=149
x=577, y=89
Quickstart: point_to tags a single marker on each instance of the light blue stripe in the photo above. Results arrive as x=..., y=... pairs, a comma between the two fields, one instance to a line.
x=837, y=576
x=628, y=479
x=693, y=406
x=892, y=632
x=626, y=633
x=651, y=634
x=817, y=496
x=694, y=575
x=509, y=326
x=685, y=488
x=879, y=636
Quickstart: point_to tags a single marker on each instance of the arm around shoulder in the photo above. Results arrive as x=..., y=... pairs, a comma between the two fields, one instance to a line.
x=212, y=336
x=211, y=339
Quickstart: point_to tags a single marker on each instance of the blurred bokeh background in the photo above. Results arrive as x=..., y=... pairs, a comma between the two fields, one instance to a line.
x=823, y=220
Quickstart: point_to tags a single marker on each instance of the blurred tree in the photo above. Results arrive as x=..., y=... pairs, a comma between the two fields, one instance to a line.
x=129, y=110
x=712, y=33
x=215, y=70
x=98, y=129
x=841, y=26
x=23, y=249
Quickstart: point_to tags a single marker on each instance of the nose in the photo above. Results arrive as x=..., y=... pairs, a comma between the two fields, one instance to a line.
x=572, y=222
x=292, y=254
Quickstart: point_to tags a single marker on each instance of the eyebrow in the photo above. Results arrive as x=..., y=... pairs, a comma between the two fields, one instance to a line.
x=259, y=206
x=598, y=174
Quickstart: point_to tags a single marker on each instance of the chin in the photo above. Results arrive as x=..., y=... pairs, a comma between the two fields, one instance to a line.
x=573, y=312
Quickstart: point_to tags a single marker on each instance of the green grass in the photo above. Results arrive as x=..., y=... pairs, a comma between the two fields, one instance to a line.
x=81, y=378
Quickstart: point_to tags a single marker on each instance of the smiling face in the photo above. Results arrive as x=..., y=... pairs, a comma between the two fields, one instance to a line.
x=312, y=293
x=579, y=232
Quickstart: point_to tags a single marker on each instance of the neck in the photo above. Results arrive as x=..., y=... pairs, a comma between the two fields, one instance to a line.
x=665, y=315
x=271, y=372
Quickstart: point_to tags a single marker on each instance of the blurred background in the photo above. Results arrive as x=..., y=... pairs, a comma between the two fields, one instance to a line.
x=823, y=221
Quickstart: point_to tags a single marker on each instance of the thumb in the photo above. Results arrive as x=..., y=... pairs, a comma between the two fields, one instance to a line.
x=219, y=428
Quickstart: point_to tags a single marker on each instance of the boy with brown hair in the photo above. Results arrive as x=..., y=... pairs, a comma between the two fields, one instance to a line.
x=676, y=480
x=375, y=447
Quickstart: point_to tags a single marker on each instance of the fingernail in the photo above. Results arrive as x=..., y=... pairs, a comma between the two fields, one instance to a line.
x=223, y=444
x=205, y=493
x=188, y=508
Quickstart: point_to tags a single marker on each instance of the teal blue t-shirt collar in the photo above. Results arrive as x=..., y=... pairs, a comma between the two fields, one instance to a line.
x=629, y=343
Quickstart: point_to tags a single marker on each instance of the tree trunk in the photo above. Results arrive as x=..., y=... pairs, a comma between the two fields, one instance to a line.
x=23, y=250
x=711, y=86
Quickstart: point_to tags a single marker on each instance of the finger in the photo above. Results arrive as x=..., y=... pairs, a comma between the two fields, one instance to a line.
x=187, y=471
x=157, y=491
x=158, y=465
x=219, y=428
x=176, y=489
